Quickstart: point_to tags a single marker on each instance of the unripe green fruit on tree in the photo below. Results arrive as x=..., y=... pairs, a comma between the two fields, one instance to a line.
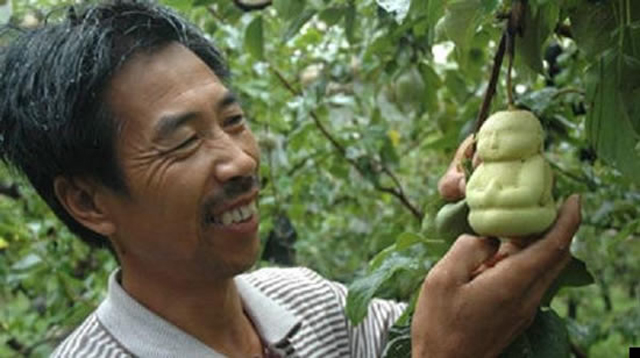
x=509, y=193
x=451, y=220
x=410, y=88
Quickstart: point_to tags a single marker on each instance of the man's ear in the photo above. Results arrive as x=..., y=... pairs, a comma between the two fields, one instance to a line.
x=83, y=200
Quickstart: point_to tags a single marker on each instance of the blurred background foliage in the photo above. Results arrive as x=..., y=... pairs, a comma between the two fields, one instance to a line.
x=358, y=107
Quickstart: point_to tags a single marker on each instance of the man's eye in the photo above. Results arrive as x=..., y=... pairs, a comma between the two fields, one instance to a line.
x=186, y=143
x=234, y=121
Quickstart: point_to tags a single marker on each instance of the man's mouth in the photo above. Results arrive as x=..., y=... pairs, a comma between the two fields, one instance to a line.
x=236, y=215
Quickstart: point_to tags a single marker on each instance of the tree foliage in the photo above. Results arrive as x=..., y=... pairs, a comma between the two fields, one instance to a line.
x=358, y=106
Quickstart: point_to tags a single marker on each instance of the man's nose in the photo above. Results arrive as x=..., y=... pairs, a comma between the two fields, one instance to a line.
x=236, y=162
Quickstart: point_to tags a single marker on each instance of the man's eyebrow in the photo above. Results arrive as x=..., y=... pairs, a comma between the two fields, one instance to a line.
x=169, y=123
x=229, y=99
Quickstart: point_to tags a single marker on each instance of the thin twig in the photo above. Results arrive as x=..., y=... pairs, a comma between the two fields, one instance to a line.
x=511, y=46
x=493, y=81
x=582, y=180
x=397, y=191
x=211, y=9
x=568, y=90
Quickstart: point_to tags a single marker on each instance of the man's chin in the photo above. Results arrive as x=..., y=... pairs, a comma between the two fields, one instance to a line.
x=233, y=266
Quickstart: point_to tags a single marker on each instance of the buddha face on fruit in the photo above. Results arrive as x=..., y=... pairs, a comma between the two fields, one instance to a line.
x=512, y=136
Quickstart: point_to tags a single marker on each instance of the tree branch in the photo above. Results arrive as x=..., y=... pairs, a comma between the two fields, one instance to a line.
x=493, y=81
x=396, y=191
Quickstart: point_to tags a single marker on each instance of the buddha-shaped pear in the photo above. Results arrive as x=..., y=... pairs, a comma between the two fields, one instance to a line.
x=509, y=193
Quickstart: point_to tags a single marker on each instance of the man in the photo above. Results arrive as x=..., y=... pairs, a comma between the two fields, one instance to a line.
x=121, y=118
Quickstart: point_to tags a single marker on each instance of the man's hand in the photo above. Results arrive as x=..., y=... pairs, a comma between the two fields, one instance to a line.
x=463, y=314
x=482, y=295
x=452, y=184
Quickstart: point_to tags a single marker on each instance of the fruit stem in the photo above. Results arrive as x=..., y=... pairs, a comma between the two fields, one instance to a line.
x=511, y=44
x=515, y=26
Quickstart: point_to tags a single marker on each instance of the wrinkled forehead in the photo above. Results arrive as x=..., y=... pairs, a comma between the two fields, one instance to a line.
x=156, y=81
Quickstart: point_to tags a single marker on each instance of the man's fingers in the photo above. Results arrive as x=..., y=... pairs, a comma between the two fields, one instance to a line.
x=452, y=184
x=539, y=258
x=540, y=286
x=465, y=256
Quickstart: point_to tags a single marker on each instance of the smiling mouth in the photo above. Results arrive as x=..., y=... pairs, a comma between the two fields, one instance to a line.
x=235, y=215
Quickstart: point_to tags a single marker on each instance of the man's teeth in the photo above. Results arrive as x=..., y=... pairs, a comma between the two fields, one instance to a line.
x=236, y=215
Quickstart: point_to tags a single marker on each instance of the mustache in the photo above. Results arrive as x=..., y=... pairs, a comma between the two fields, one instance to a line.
x=231, y=190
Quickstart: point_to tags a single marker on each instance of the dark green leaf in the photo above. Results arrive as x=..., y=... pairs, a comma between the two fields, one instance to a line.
x=289, y=9
x=297, y=23
x=575, y=274
x=460, y=23
x=456, y=86
x=350, y=22
x=362, y=289
x=399, y=343
x=591, y=39
x=203, y=2
x=407, y=239
x=547, y=337
x=419, y=7
x=538, y=26
x=254, y=38
x=435, y=11
x=331, y=15
x=610, y=130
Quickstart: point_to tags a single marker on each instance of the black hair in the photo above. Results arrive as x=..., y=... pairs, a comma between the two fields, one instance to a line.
x=54, y=120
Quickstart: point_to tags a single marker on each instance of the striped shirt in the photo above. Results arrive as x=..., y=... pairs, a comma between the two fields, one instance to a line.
x=296, y=312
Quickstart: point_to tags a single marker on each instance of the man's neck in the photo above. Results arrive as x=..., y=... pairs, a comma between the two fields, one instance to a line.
x=209, y=310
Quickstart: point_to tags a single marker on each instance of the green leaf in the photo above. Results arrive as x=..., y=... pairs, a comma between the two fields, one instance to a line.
x=456, y=86
x=460, y=23
x=591, y=39
x=435, y=10
x=610, y=130
x=547, y=337
x=254, y=38
x=432, y=82
x=350, y=22
x=362, y=289
x=575, y=274
x=197, y=3
x=181, y=5
x=538, y=26
x=399, y=342
x=419, y=7
x=297, y=23
x=627, y=230
x=407, y=239
x=331, y=15
x=489, y=5
x=289, y=9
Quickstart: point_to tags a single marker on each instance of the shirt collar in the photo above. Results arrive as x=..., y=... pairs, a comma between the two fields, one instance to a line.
x=146, y=334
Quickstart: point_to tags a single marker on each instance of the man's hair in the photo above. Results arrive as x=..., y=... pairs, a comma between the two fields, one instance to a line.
x=54, y=119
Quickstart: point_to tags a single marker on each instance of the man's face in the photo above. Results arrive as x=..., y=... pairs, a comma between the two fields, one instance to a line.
x=190, y=162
